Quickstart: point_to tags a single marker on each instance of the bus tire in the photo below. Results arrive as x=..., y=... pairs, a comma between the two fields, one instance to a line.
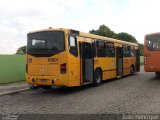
x=157, y=75
x=132, y=70
x=97, y=77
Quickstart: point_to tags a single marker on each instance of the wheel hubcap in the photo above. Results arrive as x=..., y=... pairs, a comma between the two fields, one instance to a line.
x=98, y=78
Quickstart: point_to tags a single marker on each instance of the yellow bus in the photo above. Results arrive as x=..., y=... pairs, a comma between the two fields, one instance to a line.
x=66, y=57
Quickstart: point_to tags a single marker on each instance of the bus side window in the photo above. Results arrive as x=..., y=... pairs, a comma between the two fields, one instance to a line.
x=132, y=51
x=73, y=45
x=127, y=51
x=110, y=50
x=94, y=49
x=101, y=48
x=149, y=44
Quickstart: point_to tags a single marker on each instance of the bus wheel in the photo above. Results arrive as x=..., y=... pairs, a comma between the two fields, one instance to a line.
x=132, y=70
x=97, y=77
x=157, y=74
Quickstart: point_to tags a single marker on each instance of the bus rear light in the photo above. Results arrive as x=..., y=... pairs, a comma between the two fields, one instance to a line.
x=145, y=61
x=28, y=77
x=63, y=68
x=33, y=80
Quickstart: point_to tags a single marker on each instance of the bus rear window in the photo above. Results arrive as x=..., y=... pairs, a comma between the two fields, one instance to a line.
x=45, y=42
x=153, y=42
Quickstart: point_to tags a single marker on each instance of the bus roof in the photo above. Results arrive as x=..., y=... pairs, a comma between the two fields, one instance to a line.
x=153, y=33
x=106, y=38
x=49, y=29
x=87, y=35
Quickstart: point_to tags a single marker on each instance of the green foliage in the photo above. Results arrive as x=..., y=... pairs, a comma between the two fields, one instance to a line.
x=103, y=31
x=21, y=50
x=126, y=37
x=141, y=47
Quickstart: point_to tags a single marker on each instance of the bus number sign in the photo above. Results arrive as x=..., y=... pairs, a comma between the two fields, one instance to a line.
x=52, y=59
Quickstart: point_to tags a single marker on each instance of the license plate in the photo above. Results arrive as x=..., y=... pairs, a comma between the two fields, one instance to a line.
x=43, y=80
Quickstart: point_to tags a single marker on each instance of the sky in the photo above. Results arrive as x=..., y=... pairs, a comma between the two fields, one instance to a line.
x=18, y=17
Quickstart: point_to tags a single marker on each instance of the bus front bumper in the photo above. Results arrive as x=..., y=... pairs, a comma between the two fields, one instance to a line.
x=151, y=68
x=46, y=80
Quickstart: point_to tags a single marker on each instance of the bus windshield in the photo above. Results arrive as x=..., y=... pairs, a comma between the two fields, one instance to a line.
x=153, y=42
x=45, y=42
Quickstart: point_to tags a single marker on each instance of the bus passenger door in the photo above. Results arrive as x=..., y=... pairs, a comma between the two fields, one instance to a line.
x=137, y=60
x=119, y=61
x=86, y=62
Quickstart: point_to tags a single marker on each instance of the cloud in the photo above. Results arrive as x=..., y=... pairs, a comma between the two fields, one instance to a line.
x=17, y=18
x=139, y=18
x=20, y=17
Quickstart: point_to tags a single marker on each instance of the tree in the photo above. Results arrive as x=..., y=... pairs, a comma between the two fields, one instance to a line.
x=103, y=31
x=141, y=48
x=126, y=37
x=21, y=50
